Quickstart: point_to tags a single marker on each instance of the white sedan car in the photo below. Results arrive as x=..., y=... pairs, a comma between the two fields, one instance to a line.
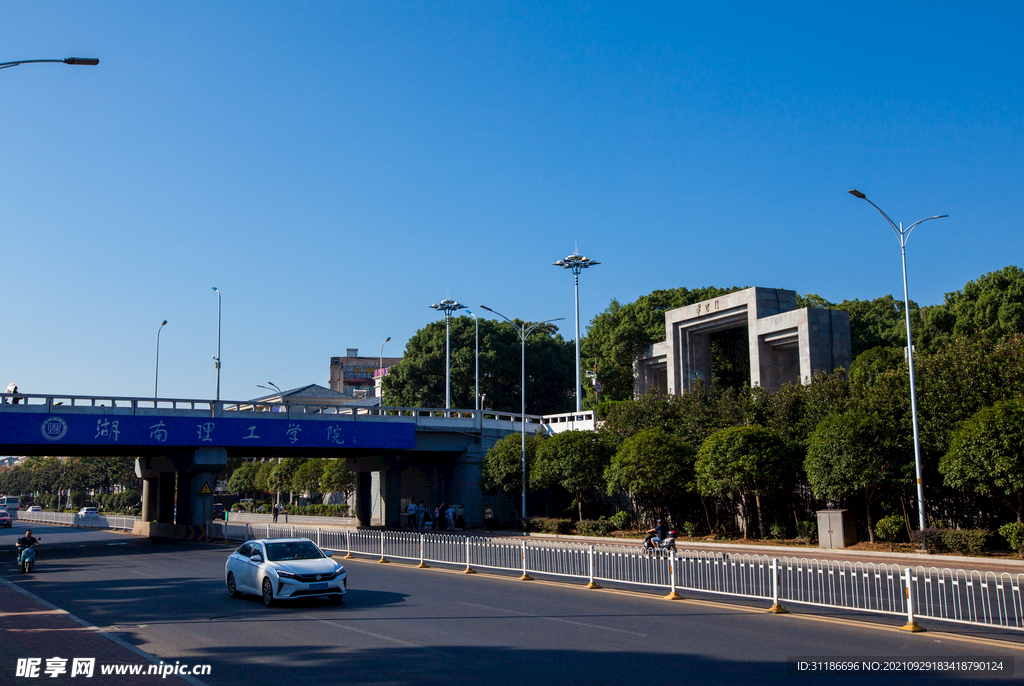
x=284, y=568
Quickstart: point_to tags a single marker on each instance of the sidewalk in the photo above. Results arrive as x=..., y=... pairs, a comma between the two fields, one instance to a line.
x=32, y=628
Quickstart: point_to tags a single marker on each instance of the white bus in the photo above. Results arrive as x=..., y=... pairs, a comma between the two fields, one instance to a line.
x=9, y=503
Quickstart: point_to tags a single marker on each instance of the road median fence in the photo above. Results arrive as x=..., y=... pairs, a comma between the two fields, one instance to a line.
x=92, y=521
x=951, y=595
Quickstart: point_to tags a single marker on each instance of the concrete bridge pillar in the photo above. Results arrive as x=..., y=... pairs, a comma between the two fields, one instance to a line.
x=183, y=498
x=150, y=487
x=364, y=498
x=165, y=498
x=391, y=497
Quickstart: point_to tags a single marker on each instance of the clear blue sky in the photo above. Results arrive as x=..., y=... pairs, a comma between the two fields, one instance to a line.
x=334, y=168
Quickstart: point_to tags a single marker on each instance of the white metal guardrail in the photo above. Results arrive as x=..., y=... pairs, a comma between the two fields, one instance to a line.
x=961, y=596
x=116, y=522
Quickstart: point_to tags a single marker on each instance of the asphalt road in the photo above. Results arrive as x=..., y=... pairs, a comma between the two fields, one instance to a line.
x=409, y=626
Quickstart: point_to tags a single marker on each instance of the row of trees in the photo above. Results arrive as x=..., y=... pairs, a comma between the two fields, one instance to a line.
x=312, y=476
x=56, y=475
x=729, y=454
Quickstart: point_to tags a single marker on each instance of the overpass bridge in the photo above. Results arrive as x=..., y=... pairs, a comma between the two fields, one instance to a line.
x=180, y=444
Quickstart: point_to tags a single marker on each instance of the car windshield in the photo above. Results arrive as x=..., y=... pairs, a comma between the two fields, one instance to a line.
x=294, y=550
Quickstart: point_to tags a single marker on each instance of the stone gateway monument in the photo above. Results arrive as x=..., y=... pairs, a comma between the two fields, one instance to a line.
x=786, y=344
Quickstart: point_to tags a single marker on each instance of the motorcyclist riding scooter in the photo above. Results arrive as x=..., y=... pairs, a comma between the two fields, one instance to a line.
x=27, y=551
x=660, y=538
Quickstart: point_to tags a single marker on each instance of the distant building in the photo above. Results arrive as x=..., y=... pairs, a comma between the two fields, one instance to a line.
x=353, y=375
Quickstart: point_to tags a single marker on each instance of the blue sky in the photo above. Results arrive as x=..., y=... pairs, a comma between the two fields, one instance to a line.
x=334, y=168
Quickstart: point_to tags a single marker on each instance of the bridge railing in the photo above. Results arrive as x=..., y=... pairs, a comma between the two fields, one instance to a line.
x=90, y=521
x=294, y=409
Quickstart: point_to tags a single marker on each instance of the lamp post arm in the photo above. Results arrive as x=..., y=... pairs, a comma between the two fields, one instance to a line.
x=906, y=232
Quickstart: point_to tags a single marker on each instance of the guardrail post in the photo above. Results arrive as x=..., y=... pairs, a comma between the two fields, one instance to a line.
x=468, y=570
x=672, y=595
x=590, y=558
x=318, y=544
x=293, y=531
x=348, y=545
x=525, y=576
x=422, y=564
x=911, y=624
x=382, y=560
x=776, y=582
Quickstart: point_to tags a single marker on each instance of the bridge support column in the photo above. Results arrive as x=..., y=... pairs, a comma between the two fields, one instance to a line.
x=202, y=498
x=165, y=498
x=364, y=498
x=150, y=487
x=391, y=497
x=183, y=502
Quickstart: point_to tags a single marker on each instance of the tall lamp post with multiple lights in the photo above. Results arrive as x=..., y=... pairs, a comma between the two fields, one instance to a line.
x=577, y=263
x=216, y=358
x=476, y=392
x=447, y=306
x=523, y=332
x=902, y=235
x=156, y=380
x=281, y=396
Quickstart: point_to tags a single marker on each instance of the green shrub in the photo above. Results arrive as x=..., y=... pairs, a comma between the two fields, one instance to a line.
x=595, y=527
x=965, y=541
x=1014, y=535
x=889, y=529
x=319, y=510
x=549, y=525
x=691, y=528
x=777, y=531
x=621, y=520
x=931, y=538
x=807, y=530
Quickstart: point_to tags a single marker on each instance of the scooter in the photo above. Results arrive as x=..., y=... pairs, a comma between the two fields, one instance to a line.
x=652, y=544
x=26, y=558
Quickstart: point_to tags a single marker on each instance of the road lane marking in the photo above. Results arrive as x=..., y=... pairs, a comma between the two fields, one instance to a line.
x=336, y=623
x=553, y=619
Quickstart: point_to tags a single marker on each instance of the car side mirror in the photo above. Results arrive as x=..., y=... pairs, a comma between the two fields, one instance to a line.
x=328, y=553
x=256, y=558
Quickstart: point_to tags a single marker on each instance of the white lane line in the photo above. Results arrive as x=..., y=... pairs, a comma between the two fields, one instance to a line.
x=339, y=625
x=553, y=619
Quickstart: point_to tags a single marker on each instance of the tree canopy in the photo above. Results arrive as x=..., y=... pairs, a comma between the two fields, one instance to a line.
x=574, y=460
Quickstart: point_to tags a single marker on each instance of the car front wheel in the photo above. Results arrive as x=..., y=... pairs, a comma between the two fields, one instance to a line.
x=232, y=588
x=268, y=593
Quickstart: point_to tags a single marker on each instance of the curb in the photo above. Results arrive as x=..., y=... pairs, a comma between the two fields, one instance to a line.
x=110, y=637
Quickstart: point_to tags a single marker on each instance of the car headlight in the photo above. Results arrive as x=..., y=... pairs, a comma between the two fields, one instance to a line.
x=286, y=575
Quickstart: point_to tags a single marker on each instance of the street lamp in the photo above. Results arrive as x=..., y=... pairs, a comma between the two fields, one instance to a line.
x=577, y=263
x=902, y=235
x=476, y=393
x=447, y=306
x=523, y=333
x=83, y=61
x=156, y=380
x=216, y=358
x=380, y=370
x=281, y=396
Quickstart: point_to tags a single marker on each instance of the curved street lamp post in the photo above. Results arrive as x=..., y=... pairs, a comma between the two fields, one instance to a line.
x=523, y=332
x=82, y=61
x=902, y=235
x=447, y=306
x=156, y=379
x=380, y=370
x=216, y=358
x=476, y=392
x=577, y=263
x=281, y=396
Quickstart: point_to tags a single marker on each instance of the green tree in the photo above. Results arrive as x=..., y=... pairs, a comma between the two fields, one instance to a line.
x=307, y=477
x=501, y=471
x=652, y=468
x=338, y=478
x=743, y=461
x=243, y=479
x=851, y=454
x=261, y=482
x=985, y=454
x=419, y=381
x=281, y=475
x=991, y=306
x=574, y=460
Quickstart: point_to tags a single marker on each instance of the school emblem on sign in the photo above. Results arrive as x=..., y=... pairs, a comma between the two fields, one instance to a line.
x=54, y=428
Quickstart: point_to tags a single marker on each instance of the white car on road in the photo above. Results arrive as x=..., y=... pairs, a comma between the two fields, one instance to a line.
x=284, y=568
